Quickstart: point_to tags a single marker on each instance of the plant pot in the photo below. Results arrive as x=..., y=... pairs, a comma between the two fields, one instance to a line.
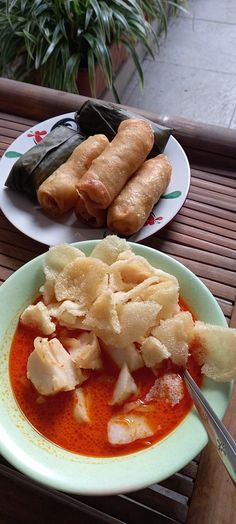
x=119, y=55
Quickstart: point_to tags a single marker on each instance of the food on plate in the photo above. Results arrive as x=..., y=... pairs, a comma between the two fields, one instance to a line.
x=39, y=162
x=124, y=388
x=215, y=350
x=110, y=171
x=97, y=116
x=81, y=171
x=169, y=387
x=126, y=355
x=37, y=316
x=54, y=262
x=131, y=208
x=110, y=249
x=83, y=280
x=86, y=210
x=125, y=428
x=153, y=352
x=176, y=334
x=106, y=379
x=81, y=408
x=85, y=351
x=58, y=194
x=50, y=367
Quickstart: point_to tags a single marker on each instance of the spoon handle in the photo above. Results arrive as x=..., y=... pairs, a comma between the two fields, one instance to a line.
x=217, y=432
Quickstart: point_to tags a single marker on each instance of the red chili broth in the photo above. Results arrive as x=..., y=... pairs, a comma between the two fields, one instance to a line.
x=53, y=417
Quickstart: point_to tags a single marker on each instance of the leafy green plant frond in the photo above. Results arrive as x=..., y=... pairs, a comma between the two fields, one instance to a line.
x=47, y=40
x=136, y=61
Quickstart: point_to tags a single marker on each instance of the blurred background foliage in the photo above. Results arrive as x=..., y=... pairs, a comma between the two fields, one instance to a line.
x=47, y=41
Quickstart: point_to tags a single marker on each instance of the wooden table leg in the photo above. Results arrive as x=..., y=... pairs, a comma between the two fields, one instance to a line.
x=213, y=486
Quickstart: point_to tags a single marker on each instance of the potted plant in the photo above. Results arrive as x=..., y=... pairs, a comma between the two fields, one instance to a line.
x=49, y=41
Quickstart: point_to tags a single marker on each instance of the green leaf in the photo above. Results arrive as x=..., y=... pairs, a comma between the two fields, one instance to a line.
x=48, y=35
x=174, y=194
x=163, y=14
x=88, y=16
x=23, y=4
x=72, y=65
x=117, y=98
x=40, y=51
x=92, y=73
x=61, y=25
x=136, y=61
x=30, y=37
x=107, y=16
x=41, y=8
x=57, y=36
x=12, y=5
x=125, y=5
x=122, y=20
x=12, y=154
x=103, y=56
x=97, y=10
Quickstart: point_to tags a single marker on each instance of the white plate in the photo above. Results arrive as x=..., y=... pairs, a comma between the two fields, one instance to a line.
x=32, y=221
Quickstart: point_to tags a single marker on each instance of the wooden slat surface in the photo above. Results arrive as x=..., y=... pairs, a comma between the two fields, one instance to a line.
x=214, y=499
x=203, y=237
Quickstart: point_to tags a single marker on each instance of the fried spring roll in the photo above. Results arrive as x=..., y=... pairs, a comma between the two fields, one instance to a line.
x=57, y=194
x=111, y=170
x=130, y=210
x=86, y=210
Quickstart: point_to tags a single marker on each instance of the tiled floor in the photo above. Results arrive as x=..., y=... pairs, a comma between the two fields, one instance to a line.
x=194, y=73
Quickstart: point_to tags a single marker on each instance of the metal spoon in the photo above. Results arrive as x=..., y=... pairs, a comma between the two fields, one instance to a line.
x=217, y=432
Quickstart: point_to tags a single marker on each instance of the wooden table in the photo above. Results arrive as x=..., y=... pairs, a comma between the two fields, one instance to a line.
x=203, y=237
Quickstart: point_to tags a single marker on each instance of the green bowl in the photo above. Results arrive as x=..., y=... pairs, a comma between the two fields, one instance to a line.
x=57, y=468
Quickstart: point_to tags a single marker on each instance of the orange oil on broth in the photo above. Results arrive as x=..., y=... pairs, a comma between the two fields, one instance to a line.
x=54, y=419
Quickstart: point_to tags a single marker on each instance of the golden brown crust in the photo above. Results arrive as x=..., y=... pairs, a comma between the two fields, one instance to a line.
x=129, y=211
x=119, y=160
x=86, y=210
x=57, y=194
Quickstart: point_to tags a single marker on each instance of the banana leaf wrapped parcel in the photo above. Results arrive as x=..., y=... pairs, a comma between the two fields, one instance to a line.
x=39, y=162
x=104, y=117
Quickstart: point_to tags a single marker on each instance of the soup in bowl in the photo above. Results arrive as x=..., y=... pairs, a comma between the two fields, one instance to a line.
x=92, y=396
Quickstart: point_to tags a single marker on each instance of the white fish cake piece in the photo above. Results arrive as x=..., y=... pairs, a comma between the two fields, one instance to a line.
x=74, y=308
x=57, y=257
x=135, y=318
x=82, y=280
x=176, y=334
x=50, y=367
x=153, y=352
x=164, y=276
x=216, y=350
x=70, y=322
x=125, y=387
x=84, y=350
x=102, y=314
x=81, y=408
x=47, y=291
x=124, y=255
x=38, y=317
x=129, y=355
x=109, y=249
x=169, y=388
x=134, y=270
x=127, y=273
x=125, y=428
x=136, y=292
x=68, y=313
x=165, y=293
